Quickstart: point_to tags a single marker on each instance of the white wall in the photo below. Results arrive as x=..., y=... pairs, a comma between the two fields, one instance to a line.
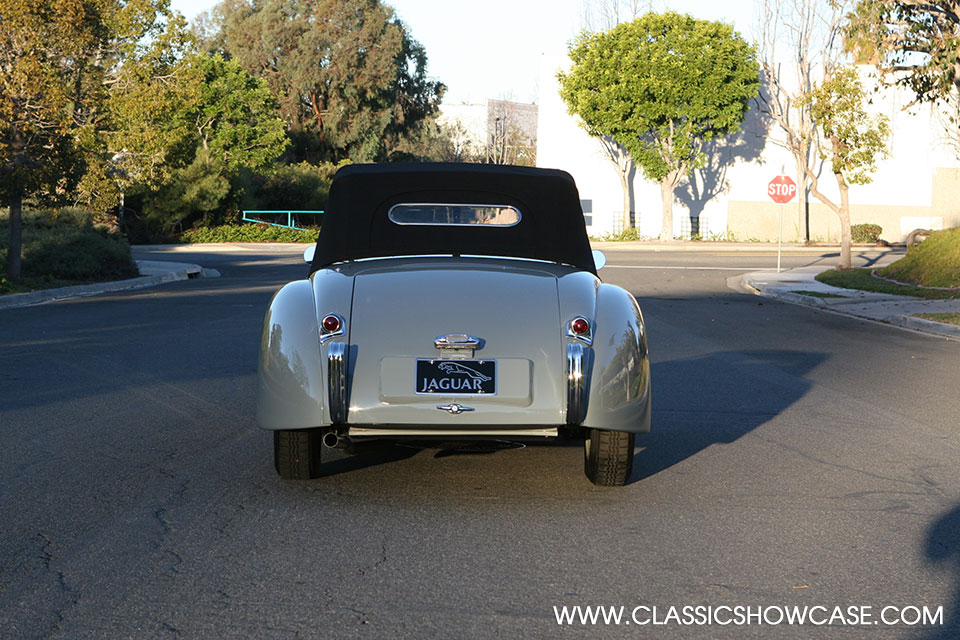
x=562, y=144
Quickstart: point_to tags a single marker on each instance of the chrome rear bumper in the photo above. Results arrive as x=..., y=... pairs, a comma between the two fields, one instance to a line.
x=503, y=434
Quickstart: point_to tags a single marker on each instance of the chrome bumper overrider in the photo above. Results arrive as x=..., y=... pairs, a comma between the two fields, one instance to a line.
x=575, y=384
x=337, y=381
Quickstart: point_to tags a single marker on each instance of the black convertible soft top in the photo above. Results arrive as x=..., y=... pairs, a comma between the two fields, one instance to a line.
x=355, y=224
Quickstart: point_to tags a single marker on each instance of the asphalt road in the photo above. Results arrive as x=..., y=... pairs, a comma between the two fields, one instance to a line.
x=798, y=458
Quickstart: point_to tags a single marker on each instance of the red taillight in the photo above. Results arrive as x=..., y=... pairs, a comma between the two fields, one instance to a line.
x=580, y=326
x=330, y=323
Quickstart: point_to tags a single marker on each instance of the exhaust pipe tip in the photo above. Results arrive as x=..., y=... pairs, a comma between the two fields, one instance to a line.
x=333, y=440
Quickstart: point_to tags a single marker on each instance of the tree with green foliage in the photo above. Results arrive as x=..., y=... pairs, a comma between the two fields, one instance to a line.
x=350, y=80
x=143, y=133
x=57, y=63
x=603, y=15
x=660, y=86
x=915, y=42
x=183, y=125
x=233, y=114
x=40, y=42
x=857, y=140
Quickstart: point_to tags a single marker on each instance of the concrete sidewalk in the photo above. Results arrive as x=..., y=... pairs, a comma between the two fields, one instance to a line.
x=689, y=246
x=152, y=272
x=895, y=310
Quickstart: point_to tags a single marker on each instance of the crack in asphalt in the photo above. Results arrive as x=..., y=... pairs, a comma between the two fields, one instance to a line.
x=169, y=627
x=836, y=465
x=379, y=562
x=46, y=557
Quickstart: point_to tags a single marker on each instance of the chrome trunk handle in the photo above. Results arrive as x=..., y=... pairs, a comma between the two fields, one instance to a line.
x=457, y=341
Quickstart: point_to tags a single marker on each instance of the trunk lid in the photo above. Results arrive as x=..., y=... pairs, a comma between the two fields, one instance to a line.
x=399, y=311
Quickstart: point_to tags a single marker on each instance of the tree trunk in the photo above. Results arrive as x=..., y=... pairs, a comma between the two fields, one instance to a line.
x=844, y=215
x=666, y=195
x=627, y=213
x=803, y=199
x=318, y=113
x=16, y=244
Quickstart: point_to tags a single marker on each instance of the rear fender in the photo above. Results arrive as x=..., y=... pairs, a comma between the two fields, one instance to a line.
x=290, y=381
x=618, y=384
x=292, y=385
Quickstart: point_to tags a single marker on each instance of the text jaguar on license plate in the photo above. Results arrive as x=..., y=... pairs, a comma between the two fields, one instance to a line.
x=466, y=377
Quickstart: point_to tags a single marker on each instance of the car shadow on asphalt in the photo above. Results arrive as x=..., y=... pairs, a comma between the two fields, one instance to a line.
x=377, y=452
x=716, y=399
x=942, y=547
x=363, y=456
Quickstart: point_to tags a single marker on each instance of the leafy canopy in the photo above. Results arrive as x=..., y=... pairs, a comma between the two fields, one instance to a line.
x=350, y=79
x=145, y=132
x=660, y=86
x=919, y=38
x=43, y=45
x=217, y=121
x=232, y=114
x=857, y=139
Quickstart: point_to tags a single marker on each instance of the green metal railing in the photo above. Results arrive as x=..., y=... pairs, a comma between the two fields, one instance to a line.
x=290, y=216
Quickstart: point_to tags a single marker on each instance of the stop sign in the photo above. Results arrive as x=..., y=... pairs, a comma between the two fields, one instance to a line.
x=782, y=189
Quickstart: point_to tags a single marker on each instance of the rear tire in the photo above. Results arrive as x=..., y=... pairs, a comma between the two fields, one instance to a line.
x=608, y=457
x=296, y=453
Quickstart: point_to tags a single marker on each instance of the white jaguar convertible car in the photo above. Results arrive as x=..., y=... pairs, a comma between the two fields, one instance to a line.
x=451, y=302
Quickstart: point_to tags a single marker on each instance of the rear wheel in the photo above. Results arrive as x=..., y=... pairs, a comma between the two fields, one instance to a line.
x=608, y=457
x=296, y=453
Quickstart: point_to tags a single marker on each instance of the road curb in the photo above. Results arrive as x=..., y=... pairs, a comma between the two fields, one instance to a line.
x=931, y=326
x=157, y=272
x=742, y=283
x=901, y=321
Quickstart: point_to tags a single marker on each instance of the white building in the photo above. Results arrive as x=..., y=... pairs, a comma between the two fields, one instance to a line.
x=918, y=186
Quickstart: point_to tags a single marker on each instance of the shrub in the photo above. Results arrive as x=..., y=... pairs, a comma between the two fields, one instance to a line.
x=295, y=186
x=69, y=244
x=196, y=192
x=629, y=234
x=206, y=194
x=866, y=233
x=81, y=255
x=248, y=233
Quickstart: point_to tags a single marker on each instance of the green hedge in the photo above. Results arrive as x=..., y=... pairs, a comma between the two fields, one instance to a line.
x=69, y=244
x=248, y=233
x=866, y=233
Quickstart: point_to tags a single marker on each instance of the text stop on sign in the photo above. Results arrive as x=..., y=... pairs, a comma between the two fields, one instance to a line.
x=782, y=189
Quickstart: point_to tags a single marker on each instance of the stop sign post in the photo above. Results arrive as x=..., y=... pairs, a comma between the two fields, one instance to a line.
x=781, y=190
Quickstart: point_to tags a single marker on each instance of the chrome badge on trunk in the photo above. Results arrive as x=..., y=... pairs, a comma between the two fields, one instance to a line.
x=459, y=377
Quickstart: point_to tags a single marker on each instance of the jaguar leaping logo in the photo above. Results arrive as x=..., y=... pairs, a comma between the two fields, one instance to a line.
x=459, y=378
x=453, y=367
